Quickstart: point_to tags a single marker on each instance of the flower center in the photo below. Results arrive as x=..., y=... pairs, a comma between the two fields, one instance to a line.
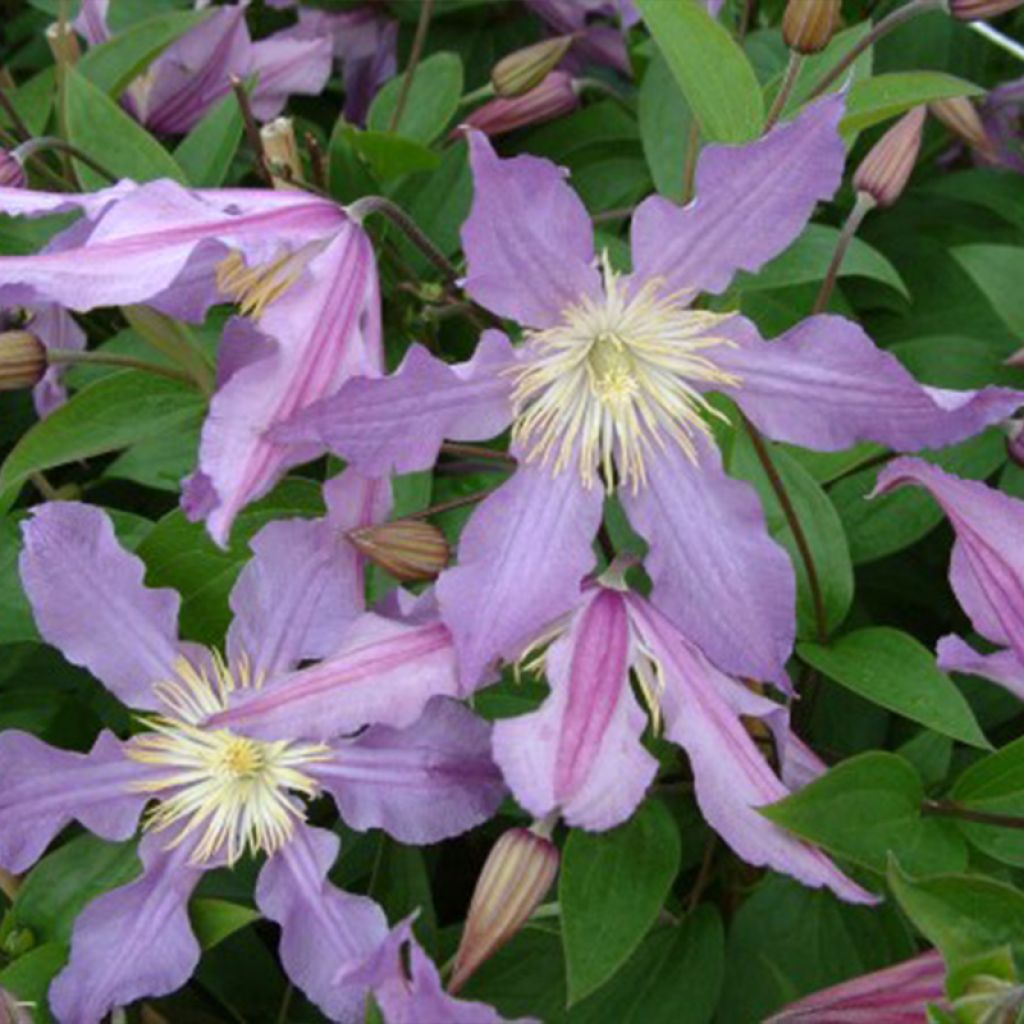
x=616, y=380
x=235, y=792
x=254, y=288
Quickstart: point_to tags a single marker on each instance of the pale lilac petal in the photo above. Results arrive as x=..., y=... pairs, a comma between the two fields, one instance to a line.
x=528, y=239
x=43, y=789
x=1003, y=667
x=24, y=202
x=89, y=601
x=731, y=776
x=581, y=751
x=367, y=43
x=987, y=567
x=894, y=995
x=91, y=22
x=396, y=424
x=287, y=65
x=825, y=385
x=327, y=329
x=422, y=784
x=716, y=571
x=522, y=557
x=383, y=673
x=750, y=203
x=305, y=584
x=323, y=929
x=56, y=329
x=800, y=765
x=132, y=942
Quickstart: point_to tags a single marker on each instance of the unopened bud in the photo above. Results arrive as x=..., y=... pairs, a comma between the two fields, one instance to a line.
x=961, y=117
x=13, y=1012
x=1017, y=359
x=555, y=96
x=22, y=360
x=884, y=172
x=281, y=152
x=808, y=25
x=973, y=10
x=409, y=549
x=63, y=43
x=1015, y=441
x=518, y=873
x=525, y=69
x=12, y=173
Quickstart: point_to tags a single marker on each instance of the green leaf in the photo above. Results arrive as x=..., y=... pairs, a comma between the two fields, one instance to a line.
x=612, y=886
x=866, y=807
x=997, y=270
x=214, y=920
x=894, y=670
x=391, y=156
x=876, y=99
x=995, y=785
x=206, y=153
x=29, y=977
x=713, y=72
x=963, y=916
x=665, y=119
x=111, y=66
x=118, y=411
x=431, y=102
x=99, y=127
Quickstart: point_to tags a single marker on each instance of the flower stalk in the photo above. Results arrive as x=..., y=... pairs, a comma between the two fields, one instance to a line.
x=863, y=205
x=32, y=147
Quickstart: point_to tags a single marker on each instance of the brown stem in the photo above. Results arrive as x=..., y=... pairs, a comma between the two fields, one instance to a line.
x=472, y=451
x=47, y=142
x=447, y=506
x=861, y=208
x=621, y=213
x=16, y=120
x=426, y=9
x=785, y=89
x=951, y=809
x=317, y=161
x=252, y=129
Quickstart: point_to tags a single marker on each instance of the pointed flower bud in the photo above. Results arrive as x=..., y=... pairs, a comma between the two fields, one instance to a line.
x=555, y=96
x=884, y=172
x=808, y=25
x=525, y=69
x=518, y=873
x=281, y=152
x=1017, y=359
x=12, y=173
x=973, y=10
x=22, y=360
x=409, y=549
x=961, y=117
x=12, y=1011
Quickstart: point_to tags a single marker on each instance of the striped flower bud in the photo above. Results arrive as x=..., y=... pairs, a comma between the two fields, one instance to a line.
x=281, y=152
x=409, y=549
x=518, y=873
x=973, y=10
x=884, y=172
x=525, y=69
x=22, y=360
x=961, y=117
x=12, y=173
x=808, y=25
x=555, y=96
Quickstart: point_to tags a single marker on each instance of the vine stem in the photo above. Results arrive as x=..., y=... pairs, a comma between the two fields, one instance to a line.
x=66, y=357
x=796, y=61
x=951, y=809
x=12, y=112
x=447, y=506
x=420, y=39
x=861, y=208
x=252, y=129
x=43, y=143
x=472, y=451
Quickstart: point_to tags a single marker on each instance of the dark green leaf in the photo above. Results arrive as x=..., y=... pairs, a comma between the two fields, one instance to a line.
x=206, y=153
x=877, y=99
x=214, y=920
x=431, y=102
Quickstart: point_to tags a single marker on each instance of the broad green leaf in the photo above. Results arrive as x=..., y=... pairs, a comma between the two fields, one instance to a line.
x=611, y=888
x=713, y=72
x=34, y=100
x=876, y=99
x=214, y=920
x=28, y=978
x=892, y=669
x=99, y=127
x=995, y=785
x=401, y=885
x=430, y=104
x=206, y=153
x=866, y=807
x=665, y=119
x=111, y=66
x=116, y=412
x=16, y=622
x=956, y=360
x=991, y=188
x=391, y=156
x=348, y=171
x=998, y=271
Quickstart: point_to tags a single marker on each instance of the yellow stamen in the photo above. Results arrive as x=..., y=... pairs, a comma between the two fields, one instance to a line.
x=254, y=288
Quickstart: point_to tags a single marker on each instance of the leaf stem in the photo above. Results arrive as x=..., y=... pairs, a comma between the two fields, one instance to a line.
x=861, y=208
x=69, y=357
x=796, y=61
x=252, y=129
x=951, y=809
x=473, y=451
x=31, y=147
x=12, y=112
x=419, y=40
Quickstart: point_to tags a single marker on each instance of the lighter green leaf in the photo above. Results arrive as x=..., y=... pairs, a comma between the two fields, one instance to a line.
x=431, y=102
x=876, y=99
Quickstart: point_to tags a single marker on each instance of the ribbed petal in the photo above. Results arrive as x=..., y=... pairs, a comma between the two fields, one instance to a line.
x=422, y=784
x=56, y=329
x=528, y=239
x=1003, y=667
x=285, y=64
x=323, y=930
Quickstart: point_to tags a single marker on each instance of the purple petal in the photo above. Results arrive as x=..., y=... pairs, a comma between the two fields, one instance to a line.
x=323, y=929
x=24, y=202
x=396, y=424
x=528, y=239
x=751, y=202
x=717, y=573
x=327, y=329
x=305, y=584
x=89, y=601
x=43, y=789
x=522, y=557
x=825, y=385
x=987, y=567
x=287, y=64
x=581, y=750
x=1003, y=667
x=731, y=776
x=92, y=21
x=383, y=673
x=56, y=329
x=422, y=784
x=132, y=942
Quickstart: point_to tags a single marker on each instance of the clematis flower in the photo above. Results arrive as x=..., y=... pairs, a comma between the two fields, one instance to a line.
x=1002, y=114
x=581, y=754
x=215, y=792
x=608, y=394
x=300, y=269
x=986, y=569
x=596, y=41
x=194, y=73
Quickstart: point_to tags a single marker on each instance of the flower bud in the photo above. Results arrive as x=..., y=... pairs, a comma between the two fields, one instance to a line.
x=808, y=25
x=1015, y=441
x=555, y=96
x=12, y=173
x=409, y=549
x=22, y=360
x=63, y=43
x=13, y=1012
x=973, y=10
x=518, y=873
x=961, y=117
x=884, y=172
x=281, y=152
x=525, y=69
x=1017, y=359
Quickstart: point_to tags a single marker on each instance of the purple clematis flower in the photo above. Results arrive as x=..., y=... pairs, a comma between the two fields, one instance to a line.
x=1002, y=114
x=581, y=754
x=194, y=73
x=214, y=791
x=596, y=42
x=300, y=269
x=608, y=394
x=986, y=569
